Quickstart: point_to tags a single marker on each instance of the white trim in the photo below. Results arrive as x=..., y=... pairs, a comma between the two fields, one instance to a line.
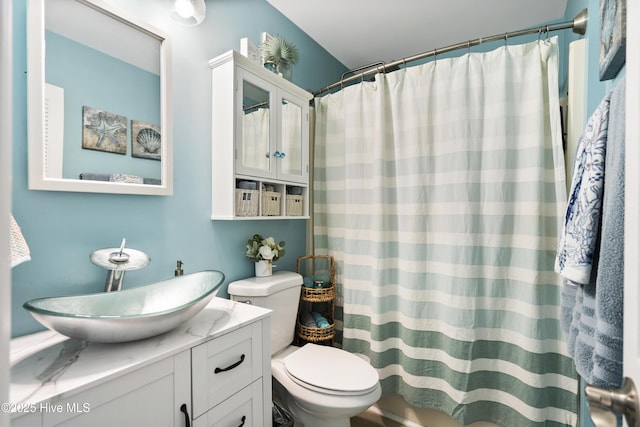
x=6, y=132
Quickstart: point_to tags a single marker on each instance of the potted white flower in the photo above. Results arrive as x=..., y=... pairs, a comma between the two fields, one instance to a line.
x=264, y=252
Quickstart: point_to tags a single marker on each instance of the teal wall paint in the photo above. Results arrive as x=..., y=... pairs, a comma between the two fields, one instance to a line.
x=62, y=229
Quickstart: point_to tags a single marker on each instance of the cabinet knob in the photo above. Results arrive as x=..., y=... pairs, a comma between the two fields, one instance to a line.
x=280, y=154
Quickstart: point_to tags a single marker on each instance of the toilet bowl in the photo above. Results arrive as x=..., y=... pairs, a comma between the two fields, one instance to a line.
x=325, y=386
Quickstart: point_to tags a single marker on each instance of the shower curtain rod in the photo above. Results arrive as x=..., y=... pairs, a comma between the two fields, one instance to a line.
x=578, y=25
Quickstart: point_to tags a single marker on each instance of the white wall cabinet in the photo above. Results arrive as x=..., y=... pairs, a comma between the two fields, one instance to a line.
x=221, y=380
x=260, y=132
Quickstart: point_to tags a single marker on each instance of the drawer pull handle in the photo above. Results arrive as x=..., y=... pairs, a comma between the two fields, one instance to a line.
x=184, y=410
x=230, y=367
x=243, y=419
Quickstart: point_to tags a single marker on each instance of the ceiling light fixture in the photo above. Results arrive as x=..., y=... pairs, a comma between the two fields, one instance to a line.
x=189, y=12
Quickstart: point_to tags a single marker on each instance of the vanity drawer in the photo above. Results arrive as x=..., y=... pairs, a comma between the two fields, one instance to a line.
x=224, y=366
x=242, y=409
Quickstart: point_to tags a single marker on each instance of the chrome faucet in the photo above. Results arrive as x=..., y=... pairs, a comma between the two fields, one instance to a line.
x=117, y=261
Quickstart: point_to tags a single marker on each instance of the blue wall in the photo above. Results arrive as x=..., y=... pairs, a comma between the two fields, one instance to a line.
x=62, y=229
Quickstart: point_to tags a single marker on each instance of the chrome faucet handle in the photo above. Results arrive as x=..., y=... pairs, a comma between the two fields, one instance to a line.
x=120, y=256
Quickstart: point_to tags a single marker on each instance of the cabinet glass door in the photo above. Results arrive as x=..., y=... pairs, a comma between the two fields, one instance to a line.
x=256, y=132
x=293, y=157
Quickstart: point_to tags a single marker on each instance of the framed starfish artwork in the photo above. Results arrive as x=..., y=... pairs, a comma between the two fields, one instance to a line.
x=104, y=131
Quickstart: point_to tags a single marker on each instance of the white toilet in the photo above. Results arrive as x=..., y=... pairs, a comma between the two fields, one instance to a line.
x=325, y=386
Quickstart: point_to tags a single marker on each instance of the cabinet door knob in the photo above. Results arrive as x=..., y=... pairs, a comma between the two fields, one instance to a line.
x=185, y=411
x=230, y=367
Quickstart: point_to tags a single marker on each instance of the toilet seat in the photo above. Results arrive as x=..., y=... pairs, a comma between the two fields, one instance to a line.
x=330, y=370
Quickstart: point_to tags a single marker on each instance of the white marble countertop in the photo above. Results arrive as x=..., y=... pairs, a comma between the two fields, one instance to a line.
x=46, y=364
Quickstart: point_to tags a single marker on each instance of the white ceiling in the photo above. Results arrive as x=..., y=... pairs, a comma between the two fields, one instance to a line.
x=361, y=32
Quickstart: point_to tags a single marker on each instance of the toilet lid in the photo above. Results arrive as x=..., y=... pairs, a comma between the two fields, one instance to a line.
x=330, y=369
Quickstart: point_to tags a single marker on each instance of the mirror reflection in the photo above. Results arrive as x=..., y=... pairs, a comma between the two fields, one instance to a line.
x=255, y=127
x=103, y=125
x=291, y=137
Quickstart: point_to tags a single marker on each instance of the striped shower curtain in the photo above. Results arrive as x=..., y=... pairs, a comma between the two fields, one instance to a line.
x=439, y=190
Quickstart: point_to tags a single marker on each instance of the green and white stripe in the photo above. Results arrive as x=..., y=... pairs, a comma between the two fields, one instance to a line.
x=439, y=190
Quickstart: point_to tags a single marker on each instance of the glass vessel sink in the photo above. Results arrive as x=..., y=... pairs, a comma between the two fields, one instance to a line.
x=131, y=314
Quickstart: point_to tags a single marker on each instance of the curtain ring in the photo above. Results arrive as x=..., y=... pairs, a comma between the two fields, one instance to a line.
x=469, y=47
x=547, y=33
x=362, y=77
x=435, y=55
x=506, y=39
x=539, y=33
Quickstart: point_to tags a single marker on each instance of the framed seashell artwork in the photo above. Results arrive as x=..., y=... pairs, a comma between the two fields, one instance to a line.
x=146, y=140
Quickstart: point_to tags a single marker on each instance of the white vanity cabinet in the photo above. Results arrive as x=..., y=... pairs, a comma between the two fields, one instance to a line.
x=151, y=396
x=260, y=142
x=214, y=370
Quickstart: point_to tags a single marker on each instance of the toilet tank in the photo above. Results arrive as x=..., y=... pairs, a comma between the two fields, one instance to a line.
x=280, y=293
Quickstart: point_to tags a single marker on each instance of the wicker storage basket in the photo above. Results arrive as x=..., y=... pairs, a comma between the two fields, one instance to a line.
x=319, y=295
x=294, y=206
x=247, y=202
x=316, y=334
x=271, y=203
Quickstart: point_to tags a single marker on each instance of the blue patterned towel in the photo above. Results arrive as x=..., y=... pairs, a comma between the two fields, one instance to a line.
x=574, y=258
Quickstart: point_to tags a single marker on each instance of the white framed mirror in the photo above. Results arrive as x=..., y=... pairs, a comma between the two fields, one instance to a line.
x=99, y=109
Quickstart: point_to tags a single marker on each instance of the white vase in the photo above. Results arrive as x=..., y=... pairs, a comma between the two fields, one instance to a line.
x=263, y=268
